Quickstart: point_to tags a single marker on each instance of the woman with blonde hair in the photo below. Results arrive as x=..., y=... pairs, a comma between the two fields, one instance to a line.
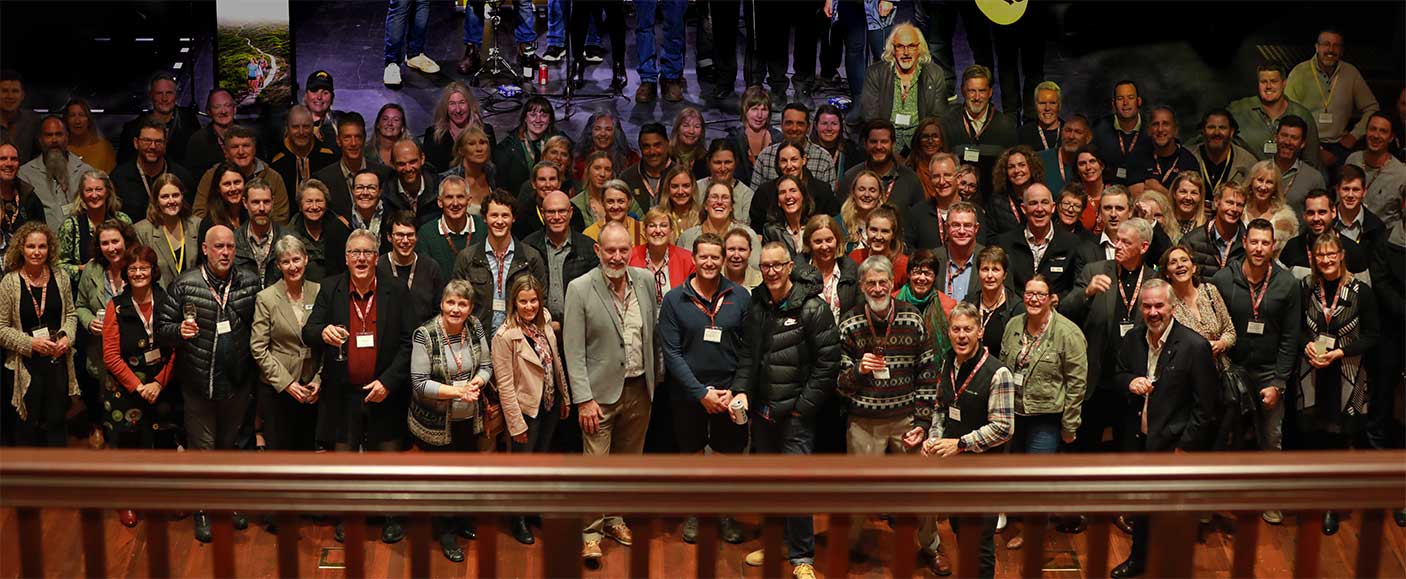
x=683, y=205
x=37, y=324
x=668, y=263
x=95, y=203
x=686, y=142
x=865, y=194
x=85, y=137
x=1155, y=207
x=1266, y=201
x=456, y=110
x=1188, y=202
x=473, y=160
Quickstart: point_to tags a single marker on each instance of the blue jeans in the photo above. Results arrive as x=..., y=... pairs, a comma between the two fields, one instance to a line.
x=556, y=26
x=857, y=39
x=1038, y=434
x=398, y=12
x=670, y=65
x=473, y=24
x=526, y=31
x=790, y=435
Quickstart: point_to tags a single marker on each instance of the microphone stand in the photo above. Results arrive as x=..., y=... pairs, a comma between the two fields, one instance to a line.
x=494, y=64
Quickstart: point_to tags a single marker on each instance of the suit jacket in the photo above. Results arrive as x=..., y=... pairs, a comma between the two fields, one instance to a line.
x=472, y=264
x=151, y=235
x=520, y=378
x=1061, y=263
x=276, y=337
x=592, y=339
x=426, y=207
x=1092, y=250
x=339, y=199
x=1098, y=316
x=1180, y=408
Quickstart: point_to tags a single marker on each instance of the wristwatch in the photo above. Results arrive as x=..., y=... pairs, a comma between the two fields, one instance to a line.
x=962, y=444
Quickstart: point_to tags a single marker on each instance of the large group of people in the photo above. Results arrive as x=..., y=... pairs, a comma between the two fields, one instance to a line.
x=950, y=280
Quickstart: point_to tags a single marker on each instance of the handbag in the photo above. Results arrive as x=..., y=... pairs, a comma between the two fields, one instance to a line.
x=1236, y=393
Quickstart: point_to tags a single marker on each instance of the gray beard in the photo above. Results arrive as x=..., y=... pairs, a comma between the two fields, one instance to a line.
x=881, y=305
x=56, y=166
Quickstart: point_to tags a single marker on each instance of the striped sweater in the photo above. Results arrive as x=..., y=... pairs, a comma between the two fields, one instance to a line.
x=911, y=386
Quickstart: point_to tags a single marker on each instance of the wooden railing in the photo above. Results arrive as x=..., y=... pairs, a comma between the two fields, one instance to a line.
x=1174, y=489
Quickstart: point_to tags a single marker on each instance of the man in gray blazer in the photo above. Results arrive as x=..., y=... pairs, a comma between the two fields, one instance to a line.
x=609, y=344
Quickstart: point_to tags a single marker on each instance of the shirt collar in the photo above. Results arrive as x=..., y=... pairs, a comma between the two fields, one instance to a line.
x=565, y=243
x=488, y=247
x=467, y=230
x=1161, y=340
x=1030, y=239
x=1221, y=240
x=1103, y=240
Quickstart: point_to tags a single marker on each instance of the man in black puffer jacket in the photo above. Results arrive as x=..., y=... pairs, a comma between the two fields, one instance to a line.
x=786, y=367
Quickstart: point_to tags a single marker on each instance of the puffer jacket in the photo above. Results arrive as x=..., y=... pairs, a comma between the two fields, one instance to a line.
x=1204, y=253
x=198, y=355
x=790, y=354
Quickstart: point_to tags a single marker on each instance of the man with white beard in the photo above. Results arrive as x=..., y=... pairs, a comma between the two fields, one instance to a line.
x=55, y=174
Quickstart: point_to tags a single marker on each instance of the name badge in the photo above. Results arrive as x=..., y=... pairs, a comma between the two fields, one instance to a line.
x=1255, y=328
x=500, y=305
x=1324, y=118
x=1122, y=173
x=222, y=327
x=460, y=384
x=1270, y=147
x=1019, y=379
x=41, y=333
x=954, y=413
x=152, y=356
x=971, y=155
x=789, y=322
x=713, y=335
x=366, y=340
x=902, y=119
x=1325, y=343
x=1056, y=269
x=1124, y=328
x=881, y=374
x=307, y=307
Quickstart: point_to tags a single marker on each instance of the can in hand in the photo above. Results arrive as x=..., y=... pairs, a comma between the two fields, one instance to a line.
x=542, y=74
x=739, y=412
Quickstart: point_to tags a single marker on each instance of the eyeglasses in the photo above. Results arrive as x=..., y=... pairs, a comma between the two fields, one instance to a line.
x=403, y=235
x=1036, y=296
x=1072, y=206
x=360, y=188
x=361, y=252
x=139, y=269
x=774, y=267
x=145, y=142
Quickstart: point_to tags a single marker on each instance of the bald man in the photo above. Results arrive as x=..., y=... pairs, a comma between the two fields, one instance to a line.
x=1041, y=248
x=300, y=154
x=414, y=187
x=569, y=254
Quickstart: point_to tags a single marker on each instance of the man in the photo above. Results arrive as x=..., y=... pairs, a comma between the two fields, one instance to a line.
x=1120, y=136
x=317, y=97
x=1040, y=247
x=1060, y=161
x=1335, y=92
x=1043, y=134
x=568, y=254
x=1259, y=116
x=361, y=329
x=181, y=122
x=19, y=126
x=206, y=318
x=956, y=260
x=1218, y=243
x=1164, y=159
x=786, y=368
x=795, y=129
x=300, y=155
x=1169, y=372
x=906, y=70
x=455, y=229
x=416, y=15
x=546, y=178
x=666, y=69
x=700, y=329
x=928, y=224
x=133, y=179
x=423, y=280
x=206, y=146
x=1218, y=158
x=645, y=177
x=1297, y=177
x=1114, y=207
x=610, y=350
x=413, y=189
x=975, y=413
x=18, y=203
x=1385, y=175
x=492, y=266
x=1105, y=305
x=900, y=185
x=1264, y=304
x=1319, y=215
x=55, y=175
x=240, y=150
x=253, y=241
x=977, y=132
x=351, y=137
x=1354, y=221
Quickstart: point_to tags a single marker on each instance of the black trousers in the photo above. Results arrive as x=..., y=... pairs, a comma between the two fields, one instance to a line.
x=609, y=16
x=1104, y=410
x=782, y=21
x=986, y=534
x=724, y=14
x=288, y=424
x=942, y=16
x=1020, y=62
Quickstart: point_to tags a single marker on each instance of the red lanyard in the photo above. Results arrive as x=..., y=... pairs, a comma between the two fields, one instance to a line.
x=1028, y=347
x=463, y=339
x=952, y=276
x=710, y=311
x=449, y=235
x=1059, y=160
x=361, y=313
x=984, y=355
x=1255, y=300
x=1327, y=307
x=502, y=270
x=1137, y=288
x=1125, y=149
x=881, y=343
x=1162, y=175
x=1019, y=217
x=219, y=300
x=967, y=124
x=1221, y=258
x=43, y=301
x=661, y=274
x=941, y=229
x=410, y=277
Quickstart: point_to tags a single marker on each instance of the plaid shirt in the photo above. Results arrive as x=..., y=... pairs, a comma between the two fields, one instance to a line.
x=1000, y=416
x=820, y=163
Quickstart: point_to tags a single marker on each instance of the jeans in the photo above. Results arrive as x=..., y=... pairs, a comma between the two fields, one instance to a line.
x=526, y=30
x=1269, y=425
x=792, y=435
x=857, y=39
x=653, y=66
x=417, y=13
x=473, y=24
x=556, y=25
x=214, y=424
x=1038, y=434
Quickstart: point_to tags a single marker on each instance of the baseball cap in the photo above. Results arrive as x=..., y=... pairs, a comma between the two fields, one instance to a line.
x=319, y=80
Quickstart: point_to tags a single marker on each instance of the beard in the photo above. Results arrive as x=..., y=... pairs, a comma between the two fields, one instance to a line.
x=879, y=305
x=56, y=166
x=613, y=272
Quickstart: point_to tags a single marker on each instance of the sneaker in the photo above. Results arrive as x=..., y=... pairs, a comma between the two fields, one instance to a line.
x=755, y=558
x=391, y=77
x=593, y=54
x=553, y=54
x=1000, y=522
x=803, y=571
x=620, y=533
x=690, y=530
x=526, y=49
x=1273, y=517
x=423, y=64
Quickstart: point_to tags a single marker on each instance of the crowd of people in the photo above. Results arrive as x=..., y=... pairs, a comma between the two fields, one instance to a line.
x=947, y=280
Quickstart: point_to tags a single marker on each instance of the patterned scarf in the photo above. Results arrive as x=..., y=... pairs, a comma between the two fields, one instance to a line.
x=544, y=353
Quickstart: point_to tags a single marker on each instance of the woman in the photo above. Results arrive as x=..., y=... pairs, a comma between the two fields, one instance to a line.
x=85, y=138
x=839, y=274
x=169, y=228
x=737, y=255
x=324, y=239
x=884, y=236
x=291, y=377
x=1266, y=201
x=1340, y=325
x=755, y=133
x=603, y=134
x=865, y=195
x=558, y=150
x=390, y=129
x=616, y=202
x=1088, y=163
x=472, y=158
x=1155, y=207
x=228, y=208
x=100, y=281
x=722, y=168
x=683, y=206
x=515, y=155
x=668, y=263
x=686, y=142
x=37, y=320
x=456, y=110
x=1048, y=356
x=922, y=278
x=1197, y=305
x=786, y=219
x=968, y=183
x=1070, y=209
x=829, y=133
x=717, y=217
x=529, y=380
x=449, y=367
x=1188, y=202
x=791, y=162
x=590, y=199
x=927, y=141
x=1015, y=170
x=997, y=302
x=96, y=203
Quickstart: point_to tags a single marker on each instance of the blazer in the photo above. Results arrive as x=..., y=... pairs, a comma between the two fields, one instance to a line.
x=16, y=342
x=519, y=377
x=276, y=337
x=1061, y=264
x=339, y=200
x=151, y=235
x=1180, y=408
x=1098, y=316
x=591, y=338
x=680, y=264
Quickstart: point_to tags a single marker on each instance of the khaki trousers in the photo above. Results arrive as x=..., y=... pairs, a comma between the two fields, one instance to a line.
x=622, y=429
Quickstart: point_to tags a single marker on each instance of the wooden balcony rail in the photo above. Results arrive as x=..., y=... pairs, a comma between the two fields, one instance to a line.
x=1174, y=489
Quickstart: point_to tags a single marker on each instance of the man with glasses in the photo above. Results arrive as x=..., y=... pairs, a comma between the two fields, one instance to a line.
x=1040, y=247
x=905, y=86
x=568, y=253
x=1335, y=92
x=422, y=279
x=133, y=179
x=492, y=266
x=928, y=224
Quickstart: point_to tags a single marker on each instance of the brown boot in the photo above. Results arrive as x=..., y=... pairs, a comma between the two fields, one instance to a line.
x=470, y=63
x=646, y=93
x=673, y=90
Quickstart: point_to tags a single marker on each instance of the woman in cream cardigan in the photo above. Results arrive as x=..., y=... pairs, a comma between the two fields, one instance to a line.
x=37, y=324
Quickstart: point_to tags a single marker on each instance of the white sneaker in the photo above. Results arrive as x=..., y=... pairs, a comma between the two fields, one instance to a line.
x=392, y=75
x=423, y=64
x=1000, y=522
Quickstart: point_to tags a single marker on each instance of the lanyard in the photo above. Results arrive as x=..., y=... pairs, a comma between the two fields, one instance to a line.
x=984, y=355
x=1059, y=160
x=1128, y=148
x=146, y=319
x=410, y=279
x=448, y=234
x=1212, y=185
x=1255, y=300
x=1327, y=307
x=954, y=275
x=941, y=228
x=1137, y=288
x=710, y=311
x=661, y=273
x=1222, y=257
x=967, y=124
x=1318, y=83
x=219, y=300
x=42, y=302
x=1019, y=217
x=147, y=183
x=1162, y=175
x=881, y=342
x=370, y=303
x=1028, y=346
x=179, y=255
x=463, y=339
x=1045, y=142
x=502, y=262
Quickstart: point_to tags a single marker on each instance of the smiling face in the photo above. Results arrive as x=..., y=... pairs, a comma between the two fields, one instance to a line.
x=1070, y=208
x=9, y=162
x=1039, y=206
x=1047, y=107
x=789, y=198
x=1216, y=132
x=1318, y=214
x=942, y=174
x=1329, y=50
x=1037, y=298
x=1271, y=86
x=293, y=265
x=794, y=125
x=1017, y=170
x=1288, y=142
x=139, y=273
x=318, y=101
x=1187, y=198
x=718, y=202
x=403, y=240
x=966, y=185
x=789, y=161
x=1089, y=167
x=300, y=128
x=828, y=127
x=1126, y=101
x=617, y=204
x=824, y=246
x=240, y=151
x=556, y=213
x=709, y=260
x=499, y=218
x=1180, y=268
x=878, y=290
x=77, y=118
x=111, y=244
x=601, y=170
x=94, y=194
x=454, y=200
x=879, y=235
x=1230, y=207
x=366, y=192
x=721, y=166
x=658, y=232
x=613, y=251
x=603, y=133
x=1162, y=127
x=529, y=304
x=878, y=145
x=391, y=125
x=458, y=109
x=930, y=140
x=546, y=180
x=313, y=205
x=776, y=268
x=654, y=151
x=221, y=107
x=920, y=280
x=1074, y=134
x=681, y=190
x=36, y=249
x=962, y=227
x=537, y=121
x=738, y=253
x=866, y=193
x=408, y=161
x=1350, y=194
x=690, y=130
x=1264, y=186
x=151, y=145
x=1378, y=135
x=1328, y=260
x=1157, y=309
x=978, y=94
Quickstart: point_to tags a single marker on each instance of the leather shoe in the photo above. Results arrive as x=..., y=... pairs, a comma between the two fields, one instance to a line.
x=1123, y=524
x=202, y=527
x=590, y=551
x=937, y=562
x=239, y=521
x=618, y=78
x=1330, y=523
x=690, y=530
x=731, y=531
x=673, y=90
x=340, y=534
x=1073, y=525
x=1016, y=542
x=392, y=532
x=128, y=517
x=451, y=549
x=620, y=533
x=468, y=530
x=470, y=63
x=646, y=92
x=1127, y=569
x=521, y=531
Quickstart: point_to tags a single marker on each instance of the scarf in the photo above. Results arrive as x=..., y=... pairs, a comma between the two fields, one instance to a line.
x=544, y=353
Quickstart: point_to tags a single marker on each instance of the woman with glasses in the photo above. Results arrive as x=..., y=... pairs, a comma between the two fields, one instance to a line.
x=717, y=216
x=668, y=263
x=1070, y=209
x=515, y=155
x=927, y=141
